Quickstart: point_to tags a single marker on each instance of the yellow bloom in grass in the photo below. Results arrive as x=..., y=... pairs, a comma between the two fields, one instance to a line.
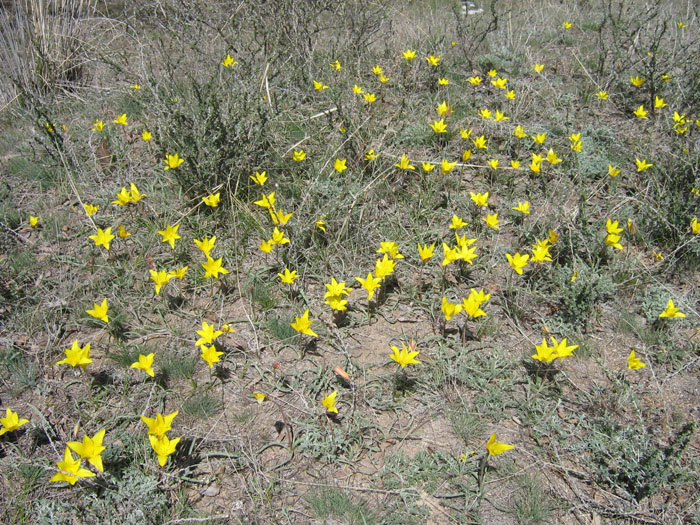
x=553, y=237
x=613, y=171
x=446, y=166
x=303, y=324
x=336, y=289
x=457, y=223
x=288, y=277
x=99, y=311
x=122, y=120
x=602, y=95
x=472, y=304
x=560, y=349
x=637, y=81
x=212, y=268
x=227, y=328
x=433, y=60
x=159, y=425
x=443, y=81
x=146, y=135
x=480, y=199
x=614, y=241
x=212, y=200
x=633, y=362
x=500, y=83
x=539, y=138
x=404, y=163
x=11, y=422
x=577, y=146
x=566, y=25
x=695, y=226
x=538, y=68
x=450, y=255
x=321, y=225
x=492, y=221
x=383, y=79
x=135, y=87
x=495, y=448
x=486, y=114
x=123, y=198
x=640, y=112
x=370, y=97
x=426, y=252
x=510, y=95
x=70, y=470
x=371, y=155
x=278, y=237
x=172, y=161
x=135, y=194
x=76, y=356
x=103, y=237
x=535, y=166
x=266, y=201
x=613, y=226
x=671, y=311
x=465, y=133
x=210, y=355
x=340, y=165
x=383, y=268
x=390, y=248
x=480, y=142
x=515, y=164
x=163, y=446
x=681, y=25
x=409, y=54
x=439, y=126
x=466, y=155
x=160, y=278
x=377, y=70
x=403, y=356
x=552, y=157
x=659, y=103
x=123, y=234
x=259, y=397
x=280, y=217
x=319, y=86
x=328, y=402
x=642, y=165
x=208, y=334
x=574, y=276
x=266, y=246
x=229, y=61
x=450, y=309
x=519, y=132
x=475, y=81
x=299, y=155
x=500, y=116
x=493, y=163
x=98, y=125
x=370, y=284
x=443, y=109
x=523, y=207
x=517, y=261
x=492, y=73
x=90, y=210
x=540, y=252
x=427, y=166
x=179, y=273
x=336, y=65
x=145, y=363
x=170, y=235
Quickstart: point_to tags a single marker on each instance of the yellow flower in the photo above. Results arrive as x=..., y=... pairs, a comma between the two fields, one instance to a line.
x=500, y=116
x=457, y=223
x=602, y=95
x=357, y=90
x=212, y=268
x=659, y=103
x=303, y=324
x=475, y=81
x=298, y=156
x=515, y=164
x=328, y=402
x=495, y=448
x=123, y=198
x=523, y=207
x=443, y=109
x=103, y=237
x=135, y=87
x=383, y=79
x=642, y=165
x=370, y=155
x=486, y=114
x=260, y=397
x=681, y=25
x=613, y=171
x=229, y=61
x=98, y=125
x=566, y=25
x=427, y=167
x=122, y=119
x=450, y=309
x=480, y=142
x=172, y=161
x=266, y=246
x=633, y=362
x=510, y=95
x=640, y=112
x=170, y=234
x=614, y=240
x=493, y=163
x=280, y=217
x=492, y=221
x=339, y=165
x=160, y=279
x=123, y=234
x=76, y=356
x=145, y=363
x=517, y=261
x=383, y=268
x=519, y=132
x=433, y=60
x=637, y=81
x=321, y=225
x=552, y=157
x=90, y=210
x=671, y=311
x=403, y=357
x=206, y=245
x=492, y=73
x=539, y=138
x=695, y=226
x=500, y=83
x=538, y=68
x=480, y=199
x=446, y=166
x=370, y=284
x=210, y=354
x=319, y=86
x=426, y=252
x=466, y=155
x=409, y=54
x=377, y=70
x=99, y=311
x=336, y=65
x=439, y=126
x=278, y=237
x=404, y=163
x=370, y=97
x=288, y=277
x=465, y=133
x=443, y=81
x=146, y=135
x=11, y=421
x=212, y=200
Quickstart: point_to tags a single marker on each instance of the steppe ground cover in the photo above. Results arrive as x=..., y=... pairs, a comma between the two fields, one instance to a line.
x=356, y=262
